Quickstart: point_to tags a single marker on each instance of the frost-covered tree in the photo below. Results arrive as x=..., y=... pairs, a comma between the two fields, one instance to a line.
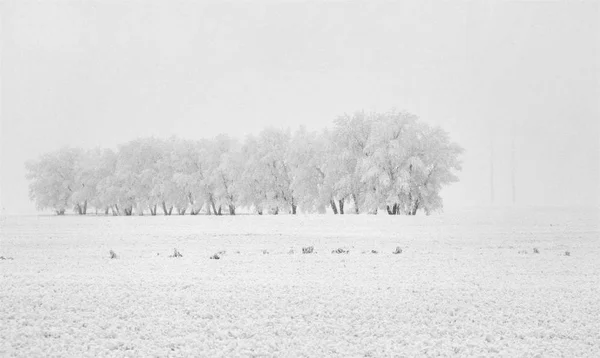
x=53, y=179
x=433, y=164
x=106, y=190
x=89, y=171
x=254, y=184
x=306, y=157
x=267, y=176
x=225, y=169
x=345, y=160
x=188, y=174
x=387, y=151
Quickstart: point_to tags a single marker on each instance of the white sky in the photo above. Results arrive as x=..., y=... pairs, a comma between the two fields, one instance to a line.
x=101, y=73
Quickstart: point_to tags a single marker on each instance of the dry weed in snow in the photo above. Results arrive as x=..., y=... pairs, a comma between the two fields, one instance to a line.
x=308, y=250
x=176, y=253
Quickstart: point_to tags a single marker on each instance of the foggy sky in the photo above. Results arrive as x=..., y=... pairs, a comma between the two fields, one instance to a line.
x=101, y=73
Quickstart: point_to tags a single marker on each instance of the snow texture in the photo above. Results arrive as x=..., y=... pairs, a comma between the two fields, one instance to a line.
x=460, y=286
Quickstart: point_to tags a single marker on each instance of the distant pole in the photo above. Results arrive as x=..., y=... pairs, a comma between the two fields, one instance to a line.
x=491, y=168
x=512, y=161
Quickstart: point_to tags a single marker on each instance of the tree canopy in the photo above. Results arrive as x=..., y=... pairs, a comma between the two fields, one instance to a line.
x=367, y=162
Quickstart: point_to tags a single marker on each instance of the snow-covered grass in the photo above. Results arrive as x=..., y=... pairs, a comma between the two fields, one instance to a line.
x=460, y=286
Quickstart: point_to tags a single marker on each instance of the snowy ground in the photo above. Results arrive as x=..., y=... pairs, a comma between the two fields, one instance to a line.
x=460, y=287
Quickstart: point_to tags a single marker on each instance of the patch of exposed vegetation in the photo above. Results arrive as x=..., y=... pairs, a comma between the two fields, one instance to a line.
x=176, y=253
x=308, y=250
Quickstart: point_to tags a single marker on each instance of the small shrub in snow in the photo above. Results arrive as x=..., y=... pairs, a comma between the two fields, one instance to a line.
x=6, y=258
x=535, y=250
x=215, y=257
x=340, y=251
x=113, y=255
x=176, y=253
x=308, y=250
x=567, y=253
x=265, y=252
x=522, y=252
x=374, y=252
x=221, y=253
x=397, y=251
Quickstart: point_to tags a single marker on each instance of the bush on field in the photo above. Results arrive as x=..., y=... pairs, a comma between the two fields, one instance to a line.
x=308, y=250
x=176, y=253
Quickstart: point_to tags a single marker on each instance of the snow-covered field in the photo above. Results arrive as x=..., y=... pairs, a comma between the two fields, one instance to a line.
x=460, y=286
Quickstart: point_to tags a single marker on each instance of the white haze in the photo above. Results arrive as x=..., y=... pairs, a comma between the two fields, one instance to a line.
x=102, y=73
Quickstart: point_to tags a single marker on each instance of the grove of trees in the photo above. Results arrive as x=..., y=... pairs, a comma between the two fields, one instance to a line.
x=367, y=163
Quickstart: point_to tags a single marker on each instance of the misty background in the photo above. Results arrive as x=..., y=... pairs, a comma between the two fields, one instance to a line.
x=102, y=73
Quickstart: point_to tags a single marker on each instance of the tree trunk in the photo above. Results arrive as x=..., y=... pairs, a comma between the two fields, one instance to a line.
x=396, y=209
x=85, y=207
x=78, y=209
x=260, y=212
x=231, y=209
x=341, y=204
x=276, y=210
x=415, y=208
x=333, y=207
x=389, y=211
x=294, y=209
x=214, y=208
x=164, y=207
x=219, y=212
x=355, y=199
x=60, y=212
x=117, y=210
